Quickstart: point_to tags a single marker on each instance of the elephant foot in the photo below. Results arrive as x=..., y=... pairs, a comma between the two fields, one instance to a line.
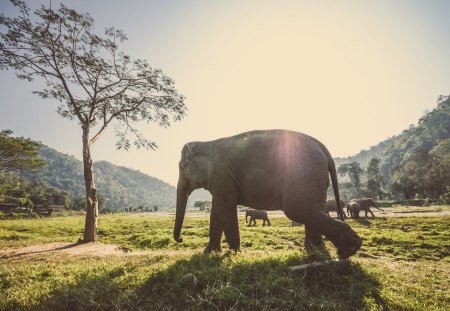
x=231, y=252
x=210, y=249
x=317, y=253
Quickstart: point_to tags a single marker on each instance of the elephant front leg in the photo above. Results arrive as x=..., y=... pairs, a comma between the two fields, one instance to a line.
x=215, y=233
x=224, y=218
x=230, y=224
x=313, y=239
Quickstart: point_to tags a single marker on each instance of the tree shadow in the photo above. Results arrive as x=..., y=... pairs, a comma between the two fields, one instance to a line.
x=225, y=282
x=37, y=251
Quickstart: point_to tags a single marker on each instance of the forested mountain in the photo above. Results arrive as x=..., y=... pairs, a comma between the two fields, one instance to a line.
x=364, y=156
x=413, y=163
x=117, y=186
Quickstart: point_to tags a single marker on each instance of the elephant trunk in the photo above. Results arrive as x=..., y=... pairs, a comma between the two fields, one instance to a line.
x=182, y=198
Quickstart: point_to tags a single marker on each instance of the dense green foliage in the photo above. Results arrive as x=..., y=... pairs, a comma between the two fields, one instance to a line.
x=118, y=187
x=18, y=153
x=413, y=164
x=411, y=272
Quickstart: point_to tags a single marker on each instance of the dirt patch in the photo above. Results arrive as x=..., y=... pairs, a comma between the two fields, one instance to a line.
x=96, y=249
x=93, y=249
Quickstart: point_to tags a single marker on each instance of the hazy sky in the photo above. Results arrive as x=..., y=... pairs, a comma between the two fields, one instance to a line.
x=350, y=73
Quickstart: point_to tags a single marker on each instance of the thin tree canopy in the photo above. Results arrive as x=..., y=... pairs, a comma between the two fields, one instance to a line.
x=18, y=154
x=94, y=82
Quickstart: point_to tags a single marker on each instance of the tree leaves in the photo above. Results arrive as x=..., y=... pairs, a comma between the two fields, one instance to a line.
x=94, y=81
x=18, y=154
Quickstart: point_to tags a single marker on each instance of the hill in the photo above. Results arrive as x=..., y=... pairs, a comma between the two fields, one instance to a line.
x=118, y=186
x=412, y=165
x=431, y=130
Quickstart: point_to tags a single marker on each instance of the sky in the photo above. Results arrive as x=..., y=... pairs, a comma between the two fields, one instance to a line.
x=349, y=73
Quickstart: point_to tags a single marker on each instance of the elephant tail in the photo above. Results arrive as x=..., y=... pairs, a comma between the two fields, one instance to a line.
x=334, y=182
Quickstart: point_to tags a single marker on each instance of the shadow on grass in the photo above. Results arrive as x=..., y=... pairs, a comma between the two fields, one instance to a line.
x=43, y=251
x=363, y=221
x=220, y=282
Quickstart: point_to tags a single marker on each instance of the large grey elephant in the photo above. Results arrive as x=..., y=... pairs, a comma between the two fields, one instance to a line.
x=255, y=214
x=269, y=170
x=366, y=204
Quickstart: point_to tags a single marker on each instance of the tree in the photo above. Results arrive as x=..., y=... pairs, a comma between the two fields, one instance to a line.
x=18, y=153
x=203, y=205
x=354, y=171
x=374, y=180
x=93, y=81
x=425, y=174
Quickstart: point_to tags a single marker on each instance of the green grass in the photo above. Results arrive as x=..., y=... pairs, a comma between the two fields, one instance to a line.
x=412, y=272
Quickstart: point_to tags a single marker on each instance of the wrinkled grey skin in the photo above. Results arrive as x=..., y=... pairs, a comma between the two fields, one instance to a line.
x=331, y=206
x=366, y=204
x=255, y=214
x=268, y=170
x=353, y=209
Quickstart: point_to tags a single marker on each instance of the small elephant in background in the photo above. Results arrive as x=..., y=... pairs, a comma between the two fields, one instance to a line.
x=366, y=204
x=331, y=206
x=353, y=209
x=256, y=214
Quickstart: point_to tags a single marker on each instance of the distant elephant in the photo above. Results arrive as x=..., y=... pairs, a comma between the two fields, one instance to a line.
x=353, y=209
x=269, y=170
x=365, y=204
x=331, y=206
x=255, y=214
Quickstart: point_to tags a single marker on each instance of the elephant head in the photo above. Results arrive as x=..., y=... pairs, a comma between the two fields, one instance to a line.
x=193, y=169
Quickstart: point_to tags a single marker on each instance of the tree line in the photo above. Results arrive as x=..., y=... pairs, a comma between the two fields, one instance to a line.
x=44, y=176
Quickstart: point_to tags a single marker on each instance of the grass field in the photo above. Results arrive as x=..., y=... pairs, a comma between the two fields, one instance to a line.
x=404, y=264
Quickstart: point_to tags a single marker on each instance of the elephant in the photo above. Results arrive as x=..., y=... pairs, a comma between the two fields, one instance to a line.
x=331, y=206
x=268, y=170
x=365, y=204
x=255, y=214
x=353, y=209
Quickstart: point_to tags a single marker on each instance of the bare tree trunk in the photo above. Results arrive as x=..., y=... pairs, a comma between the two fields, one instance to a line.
x=90, y=227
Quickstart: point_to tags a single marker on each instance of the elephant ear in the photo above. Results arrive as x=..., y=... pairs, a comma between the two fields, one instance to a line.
x=188, y=154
